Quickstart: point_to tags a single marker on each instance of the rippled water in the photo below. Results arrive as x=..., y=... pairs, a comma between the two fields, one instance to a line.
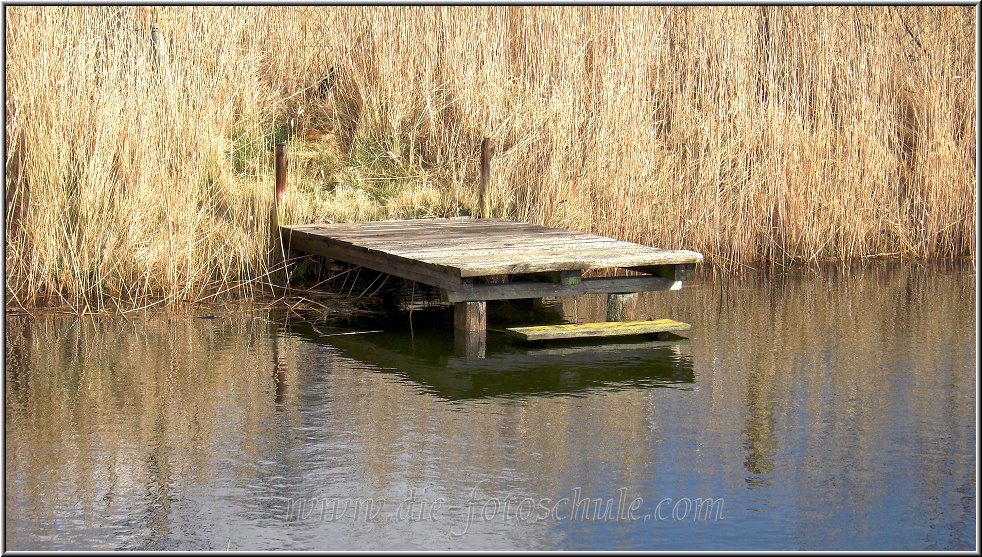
x=805, y=411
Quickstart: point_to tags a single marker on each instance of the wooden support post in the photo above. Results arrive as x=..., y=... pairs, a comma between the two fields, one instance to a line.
x=470, y=328
x=615, y=306
x=484, y=204
x=470, y=316
x=279, y=251
x=280, y=172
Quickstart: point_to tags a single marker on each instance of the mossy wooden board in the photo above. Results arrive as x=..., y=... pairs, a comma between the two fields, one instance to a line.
x=607, y=329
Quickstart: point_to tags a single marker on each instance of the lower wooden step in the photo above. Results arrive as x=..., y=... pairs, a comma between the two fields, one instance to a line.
x=586, y=330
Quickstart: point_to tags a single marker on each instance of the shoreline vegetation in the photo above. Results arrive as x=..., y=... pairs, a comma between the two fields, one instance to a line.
x=139, y=164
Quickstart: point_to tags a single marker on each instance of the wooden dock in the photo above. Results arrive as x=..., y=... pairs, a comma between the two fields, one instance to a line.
x=473, y=261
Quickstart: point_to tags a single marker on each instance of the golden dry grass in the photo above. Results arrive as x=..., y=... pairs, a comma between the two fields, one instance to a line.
x=749, y=133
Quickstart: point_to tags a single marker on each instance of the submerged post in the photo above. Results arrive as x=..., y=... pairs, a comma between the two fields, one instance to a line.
x=484, y=205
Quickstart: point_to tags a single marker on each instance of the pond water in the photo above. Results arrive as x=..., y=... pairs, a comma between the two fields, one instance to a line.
x=806, y=410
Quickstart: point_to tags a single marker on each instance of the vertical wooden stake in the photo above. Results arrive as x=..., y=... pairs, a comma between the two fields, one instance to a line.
x=470, y=316
x=470, y=328
x=276, y=216
x=160, y=54
x=280, y=172
x=484, y=205
x=158, y=47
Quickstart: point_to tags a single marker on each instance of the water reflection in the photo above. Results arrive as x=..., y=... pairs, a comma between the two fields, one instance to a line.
x=827, y=409
x=279, y=368
x=427, y=357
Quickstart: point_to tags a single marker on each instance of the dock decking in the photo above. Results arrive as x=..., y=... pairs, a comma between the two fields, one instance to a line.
x=472, y=261
x=446, y=252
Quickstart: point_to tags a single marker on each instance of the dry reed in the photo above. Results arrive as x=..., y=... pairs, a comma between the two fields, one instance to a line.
x=136, y=173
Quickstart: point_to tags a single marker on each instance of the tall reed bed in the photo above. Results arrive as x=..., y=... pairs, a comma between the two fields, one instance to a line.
x=139, y=172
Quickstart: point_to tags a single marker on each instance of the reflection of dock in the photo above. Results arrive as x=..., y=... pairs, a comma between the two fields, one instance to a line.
x=432, y=359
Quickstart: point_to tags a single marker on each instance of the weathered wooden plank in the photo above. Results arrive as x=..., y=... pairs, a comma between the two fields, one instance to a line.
x=493, y=263
x=449, y=245
x=624, y=249
x=498, y=228
x=522, y=290
x=437, y=227
x=417, y=224
x=438, y=232
x=486, y=238
x=444, y=243
x=424, y=221
x=432, y=224
x=504, y=255
x=386, y=263
x=475, y=237
x=547, y=263
x=538, y=258
x=595, y=248
x=464, y=257
x=589, y=330
x=466, y=231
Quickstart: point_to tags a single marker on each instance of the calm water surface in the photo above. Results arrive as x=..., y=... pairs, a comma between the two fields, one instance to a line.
x=805, y=411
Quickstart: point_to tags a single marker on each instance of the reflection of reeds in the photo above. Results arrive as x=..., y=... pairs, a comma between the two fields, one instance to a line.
x=139, y=169
x=815, y=384
x=852, y=349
